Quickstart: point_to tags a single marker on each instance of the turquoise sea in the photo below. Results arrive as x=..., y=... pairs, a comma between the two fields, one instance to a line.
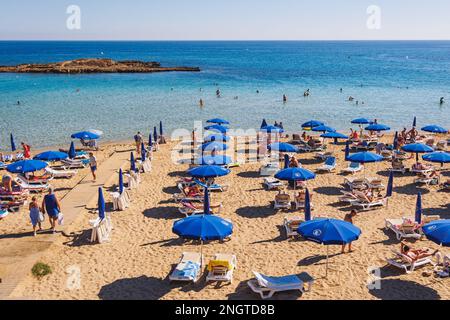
x=396, y=80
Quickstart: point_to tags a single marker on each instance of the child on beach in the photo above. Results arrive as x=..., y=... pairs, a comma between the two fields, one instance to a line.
x=36, y=216
x=349, y=218
x=93, y=165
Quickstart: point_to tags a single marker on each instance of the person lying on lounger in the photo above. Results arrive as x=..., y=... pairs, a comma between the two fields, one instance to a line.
x=193, y=191
x=416, y=254
x=421, y=166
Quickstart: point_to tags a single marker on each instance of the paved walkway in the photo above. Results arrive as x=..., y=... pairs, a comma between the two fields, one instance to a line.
x=19, y=252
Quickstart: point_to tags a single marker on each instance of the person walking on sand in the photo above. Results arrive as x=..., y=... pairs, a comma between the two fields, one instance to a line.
x=93, y=165
x=26, y=150
x=349, y=218
x=138, y=139
x=51, y=206
x=36, y=216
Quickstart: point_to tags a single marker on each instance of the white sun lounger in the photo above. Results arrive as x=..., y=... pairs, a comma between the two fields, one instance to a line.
x=32, y=187
x=120, y=201
x=406, y=263
x=323, y=155
x=402, y=230
x=268, y=286
x=101, y=229
x=364, y=205
x=291, y=225
x=353, y=168
x=145, y=166
x=375, y=183
x=221, y=268
x=60, y=172
x=283, y=202
x=421, y=171
x=188, y=269
x=269, y=169
x=356, y=182
x=272, y=183
x=329, y=165
x=75, y=163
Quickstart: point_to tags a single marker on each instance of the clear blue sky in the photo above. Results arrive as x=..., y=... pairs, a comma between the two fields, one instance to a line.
x=224, y=19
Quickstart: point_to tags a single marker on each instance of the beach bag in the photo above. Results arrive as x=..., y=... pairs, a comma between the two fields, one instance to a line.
x=60, y=219
x=41, y=217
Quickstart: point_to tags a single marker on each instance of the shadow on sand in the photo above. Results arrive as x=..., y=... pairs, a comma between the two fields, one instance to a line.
x=396, y=289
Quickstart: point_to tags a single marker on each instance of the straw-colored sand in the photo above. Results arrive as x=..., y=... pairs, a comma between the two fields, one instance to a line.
x=143, y=250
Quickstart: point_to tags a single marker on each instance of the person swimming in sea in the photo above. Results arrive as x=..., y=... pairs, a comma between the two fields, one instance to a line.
x=18, y=102
x=257, y=91
x=441, y=101
x=218, y=93
x=284, y=98
x=351, y=98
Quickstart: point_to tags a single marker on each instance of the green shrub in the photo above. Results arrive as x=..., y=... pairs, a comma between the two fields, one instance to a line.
x=40, y=270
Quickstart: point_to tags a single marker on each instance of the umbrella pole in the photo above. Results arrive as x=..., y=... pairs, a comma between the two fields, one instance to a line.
x=201, y=255
x=326, y=268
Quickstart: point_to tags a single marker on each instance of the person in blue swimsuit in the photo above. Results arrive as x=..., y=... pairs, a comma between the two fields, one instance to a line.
x=51, y=205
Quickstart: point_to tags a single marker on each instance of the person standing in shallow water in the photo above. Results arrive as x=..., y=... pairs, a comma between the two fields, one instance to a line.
x=284, y=98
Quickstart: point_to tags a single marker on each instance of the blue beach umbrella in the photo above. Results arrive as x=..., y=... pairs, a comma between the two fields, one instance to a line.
x=264, y=123
x=311, y=124
x=25, y=166
x=85, y=135
x=272, y=129
x=217, y=160
x=334, y=135
x=161, y=128
x=217, y=128
x=208, y=171
x=286, y=161
x=121, y=186
x=218, y=121
x=307, y=206
x=13, y=145
x=415, y=122
x=418, y=215
x=282, y=147
x=143, y=152
x=329, y=232
x=347, y=150
x=204, y=227
x=390, y=185
x=132, y=162
x=417, y=148
x=155, y=134
x=295, y=174
x=434, y=129
x=101, y=204
x=438, y=232
x=51, y=156
x=211, y=146
x=72, y=152
x=437, y=157
x=365, y=157
x=377, y=127
x=361, y=121
x=323, y=128
x=217, y=137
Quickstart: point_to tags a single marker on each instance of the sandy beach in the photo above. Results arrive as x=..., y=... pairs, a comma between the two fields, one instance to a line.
x=136, y=263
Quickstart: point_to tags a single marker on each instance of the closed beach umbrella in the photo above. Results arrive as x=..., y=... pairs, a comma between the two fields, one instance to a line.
x=143, y=152
x=283, y=147
x=26, y=166
x=272, y=129
x=208, y=171
x=218, y=121
x=85, y=135
x=101, y=204
x=307, y=206
x=150, y=142
x=418, y=215
x=377, y=127
x=437, y=157
x=121, y=186
x=161, y=128
x=415, y=122
x=72, y=153
x=217, y=160
x=214, y=146
x=347, y=150
x=295, y=174
x=365, y=157
x=155, y=134
x=132, y=162
x=361, y=121
x=438, y=232
x=13, y=145
x=396, y=140
x=51, y=156
x=417, y=148
x=311, y=124
x=264, y=123
x=390, y=185
x=323, y=128
x=217, y=137
x=434, y=129
x=329, y=232
x=217, y=128
x=286, y=161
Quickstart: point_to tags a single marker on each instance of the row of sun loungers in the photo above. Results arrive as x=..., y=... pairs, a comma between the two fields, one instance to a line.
x=405, y=228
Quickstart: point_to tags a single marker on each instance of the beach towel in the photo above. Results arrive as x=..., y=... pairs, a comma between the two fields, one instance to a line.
x=190, y=270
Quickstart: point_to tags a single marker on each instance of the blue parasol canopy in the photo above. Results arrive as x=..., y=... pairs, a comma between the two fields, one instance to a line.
x=217, y=137
x=365, y=157
x=438, y=157
x=329, y=231
x=295, y=174
x=85, y=135
x=334, y=135
x=438, y=232
x=377, y=127
x=361, y=121
x=218, y=121
x=51, y=156
x=283, y=147
x=25, y=166
x=208, y=171
x=323, y=128
x=217, y=128
x=203, y=227
x=434, y=129
x=312, y=123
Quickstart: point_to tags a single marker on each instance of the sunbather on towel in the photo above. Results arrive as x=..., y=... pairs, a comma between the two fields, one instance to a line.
x=7, y=183
x=416, y=254
x=421, y=166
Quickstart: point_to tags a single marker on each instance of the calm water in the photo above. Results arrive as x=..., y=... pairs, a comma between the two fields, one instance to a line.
x=396, y=81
